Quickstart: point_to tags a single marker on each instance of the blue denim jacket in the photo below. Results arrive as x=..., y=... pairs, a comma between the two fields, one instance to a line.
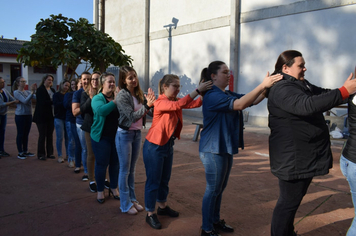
x=223, y=127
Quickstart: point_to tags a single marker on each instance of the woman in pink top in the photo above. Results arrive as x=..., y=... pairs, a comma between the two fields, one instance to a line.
x=166, y=126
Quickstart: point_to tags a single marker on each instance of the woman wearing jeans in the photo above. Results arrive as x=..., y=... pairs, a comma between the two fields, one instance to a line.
x=166, y=126
x=348, y=158
x=102, y=135
x=132, y=109
x=60, y=119
x=221, y=138
x=23, y=115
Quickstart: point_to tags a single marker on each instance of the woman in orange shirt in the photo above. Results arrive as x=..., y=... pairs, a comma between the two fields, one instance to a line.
x=166, y=126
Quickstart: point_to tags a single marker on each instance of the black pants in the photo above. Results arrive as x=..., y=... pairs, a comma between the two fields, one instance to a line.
x=291, y=194
x=45, y=139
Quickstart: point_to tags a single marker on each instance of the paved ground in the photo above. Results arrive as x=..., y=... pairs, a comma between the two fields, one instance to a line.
x=48, y=198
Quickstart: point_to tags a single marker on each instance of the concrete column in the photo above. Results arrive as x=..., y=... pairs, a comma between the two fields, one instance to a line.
x=146, y=46
x=235, y=39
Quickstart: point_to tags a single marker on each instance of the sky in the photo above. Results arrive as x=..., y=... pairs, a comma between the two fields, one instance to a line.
x=18, y=18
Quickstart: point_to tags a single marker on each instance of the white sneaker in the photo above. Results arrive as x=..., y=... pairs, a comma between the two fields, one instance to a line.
x=60, y=160
x=71, y=164
x=21, y=156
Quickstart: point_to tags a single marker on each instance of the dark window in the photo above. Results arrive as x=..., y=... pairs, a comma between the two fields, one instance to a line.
x=1, y=69
x=44, y=70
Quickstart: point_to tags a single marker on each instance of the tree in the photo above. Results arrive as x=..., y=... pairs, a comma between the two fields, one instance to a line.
x=62, y=41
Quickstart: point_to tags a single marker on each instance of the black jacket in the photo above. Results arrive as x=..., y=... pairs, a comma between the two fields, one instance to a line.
x=43, y=110
x=299, y=143
x=87, y=112
x=349, y=151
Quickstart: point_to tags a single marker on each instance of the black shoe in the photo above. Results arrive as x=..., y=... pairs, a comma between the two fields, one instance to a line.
x=92, y=187
x=115, y=196
x=222, y=226
x=167, y=211
x=101, y=201
x=107, y=184
x=51, y=157
x=42, y=158
x=85, y=178
x=212, y=233
x=77, y=170
x=4, y=154
x=153, y=221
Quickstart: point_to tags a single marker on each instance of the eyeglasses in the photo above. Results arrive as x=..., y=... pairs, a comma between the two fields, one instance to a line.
x=177, y=86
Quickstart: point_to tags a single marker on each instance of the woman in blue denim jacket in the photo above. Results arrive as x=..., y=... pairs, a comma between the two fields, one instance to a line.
x=221, y=138
x=132, y=107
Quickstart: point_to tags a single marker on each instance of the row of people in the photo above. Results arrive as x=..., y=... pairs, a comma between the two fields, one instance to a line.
x=295, y=107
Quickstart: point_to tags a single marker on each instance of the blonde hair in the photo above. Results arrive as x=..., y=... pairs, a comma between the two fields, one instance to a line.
x=166, y=80
x=123, y=73
x=90, y=86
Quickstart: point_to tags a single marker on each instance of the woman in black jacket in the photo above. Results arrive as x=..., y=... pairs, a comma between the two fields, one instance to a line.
x=299, y=142
x=43, y=117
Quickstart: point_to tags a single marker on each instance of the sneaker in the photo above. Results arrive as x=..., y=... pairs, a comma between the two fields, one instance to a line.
x=107, y=184
x=71, y=164
x=4, y=154
x=51, y=157
x=60, y=160
x=21, y=156
x=153, y=221
x=222, y=226
x=167, y=211
x=77, y=170
x=211, y=233
x=42, y=158
x=85, y=178
x=29, y=154
x=92, y=187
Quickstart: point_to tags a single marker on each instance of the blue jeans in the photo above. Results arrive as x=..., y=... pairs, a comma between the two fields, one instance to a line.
x=3, y=120
x=105, y=154
x=61, y=131
x=128, y=144
x=348, y=169
x=71, y=143
x=217, y=172
x=78, y=147
x=158, y=163
x=23, y=125
x=83, y=144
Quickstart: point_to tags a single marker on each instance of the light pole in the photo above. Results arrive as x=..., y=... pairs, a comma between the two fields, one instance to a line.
x=169, y=29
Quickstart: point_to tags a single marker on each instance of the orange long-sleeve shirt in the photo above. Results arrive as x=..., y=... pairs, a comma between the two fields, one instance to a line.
x=168, y=118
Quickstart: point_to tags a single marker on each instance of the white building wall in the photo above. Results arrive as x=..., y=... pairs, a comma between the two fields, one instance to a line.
x=321, y=30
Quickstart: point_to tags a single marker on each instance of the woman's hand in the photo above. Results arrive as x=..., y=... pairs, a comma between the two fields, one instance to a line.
x=150, y=91
x=350, y=84
x=269, y=81
x=33, y=88
x=205, y=86
x=151, y=98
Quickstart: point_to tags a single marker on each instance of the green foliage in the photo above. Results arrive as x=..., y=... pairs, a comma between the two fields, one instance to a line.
x=59, y=40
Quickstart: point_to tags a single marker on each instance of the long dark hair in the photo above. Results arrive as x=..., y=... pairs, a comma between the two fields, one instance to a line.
x=285, y=58
x=123, y=73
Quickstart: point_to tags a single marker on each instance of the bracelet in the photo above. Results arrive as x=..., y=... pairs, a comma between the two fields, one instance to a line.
x=197, y=91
